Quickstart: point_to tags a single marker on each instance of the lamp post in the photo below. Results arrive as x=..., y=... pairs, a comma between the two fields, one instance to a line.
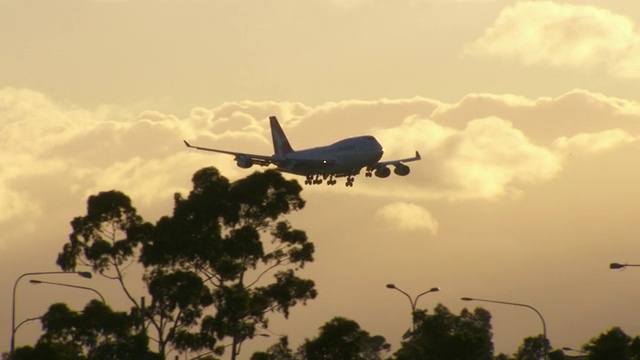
x=34, y=281
x=614, y=266
x=413, y=301
x=27, y=320
x=84, y=274
x=544, y=325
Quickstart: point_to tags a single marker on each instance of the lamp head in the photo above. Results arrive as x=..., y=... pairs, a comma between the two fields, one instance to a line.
x=34, y=281
x=391, y=286
x=466, y=299
x=616, y=266
x=434, y=289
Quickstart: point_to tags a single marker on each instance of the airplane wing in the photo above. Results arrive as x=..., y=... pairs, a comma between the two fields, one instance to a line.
x=242, y=158
x=396, y=162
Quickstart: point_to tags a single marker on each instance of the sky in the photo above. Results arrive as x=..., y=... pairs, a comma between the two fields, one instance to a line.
x=526, y=114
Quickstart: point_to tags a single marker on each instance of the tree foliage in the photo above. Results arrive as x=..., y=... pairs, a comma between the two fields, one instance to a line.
x=613, y=345
x=339, y=339
x=533, y=348
x=207, y=267
x=277, y=351
x=96, y=333
x=446, y=336
x=343, y=339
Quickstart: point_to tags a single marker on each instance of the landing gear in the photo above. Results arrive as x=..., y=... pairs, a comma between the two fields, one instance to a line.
x=313, y=180
x=319, y=179
x=349, y=182
x=368, y=173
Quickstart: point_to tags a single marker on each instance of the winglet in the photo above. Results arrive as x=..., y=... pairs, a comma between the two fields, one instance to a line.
x=418, y=157
x=186, y=143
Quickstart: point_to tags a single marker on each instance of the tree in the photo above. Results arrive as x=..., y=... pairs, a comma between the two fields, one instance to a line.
x=533, y=348
x=343, y=339
x=557, y=354
x=613, y=345
x=445, y=336
x=278, y=351
x=206, y=265
x=502, y=356
x=96, y=333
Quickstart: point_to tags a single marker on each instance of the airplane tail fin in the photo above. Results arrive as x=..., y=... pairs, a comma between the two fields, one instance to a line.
x=281, y=145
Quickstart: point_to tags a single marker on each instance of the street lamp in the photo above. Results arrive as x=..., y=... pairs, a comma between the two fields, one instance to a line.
x=544, y=325
x=413, y=301
x=84, y=274
x=615, y=266
x=27, y=320
x=71, y=286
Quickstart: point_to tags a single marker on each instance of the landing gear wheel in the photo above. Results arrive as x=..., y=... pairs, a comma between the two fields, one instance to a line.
x=331, y=180
x=369, y=172
x=349, y=182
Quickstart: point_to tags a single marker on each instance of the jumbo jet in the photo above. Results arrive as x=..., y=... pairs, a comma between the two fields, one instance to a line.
x=345, y=158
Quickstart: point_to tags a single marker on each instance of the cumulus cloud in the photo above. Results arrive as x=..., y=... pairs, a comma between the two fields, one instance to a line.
x=590, y=143
x=490, y=154
x=545, y=119
x=546, y=32
x=481, y=161
x=484, y=147
x=407, y=217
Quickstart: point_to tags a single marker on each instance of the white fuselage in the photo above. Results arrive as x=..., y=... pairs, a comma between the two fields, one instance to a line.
x=343, y=158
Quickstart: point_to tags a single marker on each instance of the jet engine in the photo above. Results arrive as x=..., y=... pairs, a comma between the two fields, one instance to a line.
x=383, y=172
x=244, y=163
x=401, y=169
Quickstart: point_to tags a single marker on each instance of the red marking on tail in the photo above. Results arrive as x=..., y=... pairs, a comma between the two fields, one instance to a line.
x=281, y=144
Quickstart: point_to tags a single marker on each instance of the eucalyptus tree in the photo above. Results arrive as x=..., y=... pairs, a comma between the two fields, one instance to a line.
x=533, y=348
x=343, y=339
x=445, y=336
x=613, y=344
x=339, y=339
x=214, y=269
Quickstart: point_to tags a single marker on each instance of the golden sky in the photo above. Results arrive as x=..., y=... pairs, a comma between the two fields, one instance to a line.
x=526, y=114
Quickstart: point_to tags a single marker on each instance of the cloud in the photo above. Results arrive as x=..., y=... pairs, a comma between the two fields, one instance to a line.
x=484, y=147
x=566, y=35
x=591, y=143
x=407, y=217
x=350, y=4
x=484, y=160
x=545, y=119
x=490, y=155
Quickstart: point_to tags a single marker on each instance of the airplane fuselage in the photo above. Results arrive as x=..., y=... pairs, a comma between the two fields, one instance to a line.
x=347, y=156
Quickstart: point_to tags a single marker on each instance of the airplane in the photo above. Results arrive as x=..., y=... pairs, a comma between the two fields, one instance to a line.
x=345, y=158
